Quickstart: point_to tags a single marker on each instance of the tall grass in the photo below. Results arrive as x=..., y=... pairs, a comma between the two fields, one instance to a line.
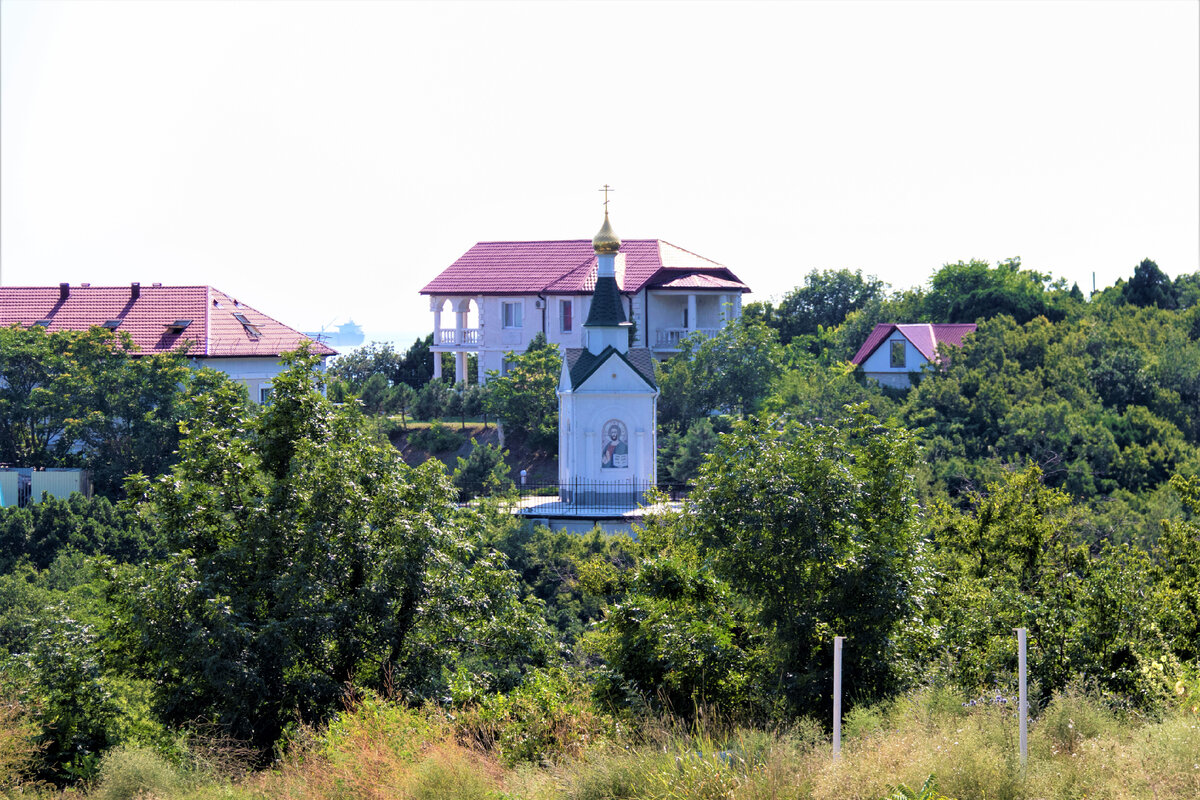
x=1078, y=749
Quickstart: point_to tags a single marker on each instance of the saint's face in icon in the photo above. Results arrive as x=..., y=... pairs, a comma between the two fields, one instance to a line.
x=615, y=451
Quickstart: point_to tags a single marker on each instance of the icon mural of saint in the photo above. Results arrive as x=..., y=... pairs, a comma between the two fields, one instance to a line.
x=615, y=450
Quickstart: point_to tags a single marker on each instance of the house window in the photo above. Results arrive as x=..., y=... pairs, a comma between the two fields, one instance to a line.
x=565, y=321
x=898, y=354
x=685, y=316
x=264, y=394
x=512, y=314
x=505, y=367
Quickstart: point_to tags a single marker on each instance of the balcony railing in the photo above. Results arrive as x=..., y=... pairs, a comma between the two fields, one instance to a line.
x=670, y=338
x=453, y=337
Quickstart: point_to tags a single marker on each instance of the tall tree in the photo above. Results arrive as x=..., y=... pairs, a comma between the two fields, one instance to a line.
x=731, y=372
x=968, y=290
x=823, y=301
x=525, y=399
x=88, y=398
x=306, y=555
x=817, y=523
x=1150, y=286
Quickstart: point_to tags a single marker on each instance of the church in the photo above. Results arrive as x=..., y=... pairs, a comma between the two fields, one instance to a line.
x=607, y=400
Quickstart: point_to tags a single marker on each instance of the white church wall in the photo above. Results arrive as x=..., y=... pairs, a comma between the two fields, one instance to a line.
x=595, y=454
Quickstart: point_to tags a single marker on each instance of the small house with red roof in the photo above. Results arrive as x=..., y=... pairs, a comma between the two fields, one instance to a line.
x=893, y=352
x=516, y=290
x=218, y=330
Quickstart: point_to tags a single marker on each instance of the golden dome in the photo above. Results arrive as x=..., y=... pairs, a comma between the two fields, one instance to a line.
x=606, y=241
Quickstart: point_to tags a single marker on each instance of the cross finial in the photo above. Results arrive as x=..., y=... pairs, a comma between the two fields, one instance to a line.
x=606, y=190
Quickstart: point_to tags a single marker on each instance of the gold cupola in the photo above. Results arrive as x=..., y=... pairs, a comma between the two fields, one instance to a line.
x=606, y=241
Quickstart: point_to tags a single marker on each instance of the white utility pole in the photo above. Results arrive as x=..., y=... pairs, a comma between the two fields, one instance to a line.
x=837, y=695
x=1023, y=705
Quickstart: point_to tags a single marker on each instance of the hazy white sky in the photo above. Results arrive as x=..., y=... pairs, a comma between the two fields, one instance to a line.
x=325, y=160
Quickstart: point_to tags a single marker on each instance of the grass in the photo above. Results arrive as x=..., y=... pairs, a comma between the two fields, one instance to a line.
x=1078, y=749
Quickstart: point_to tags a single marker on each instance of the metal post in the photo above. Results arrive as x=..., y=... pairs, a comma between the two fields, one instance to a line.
x=837, y=695
x=1023, y=704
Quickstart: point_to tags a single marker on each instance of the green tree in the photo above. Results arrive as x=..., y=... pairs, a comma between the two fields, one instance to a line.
x=823, y=301
x=1177, y=575
x=43, y=530
x=403, y=399
x=87, y=398
x=693, y=447
x=681, y=639
x=432, y=401
x=525, y=400
x=1150, y=286
x=968, y=290
x=375, y=394
x=731, y=372
x=482, y=472
x=817, y=523
x=359, y=365
x=305, y=555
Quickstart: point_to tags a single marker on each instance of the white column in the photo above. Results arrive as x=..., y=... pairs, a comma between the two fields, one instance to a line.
x=460, y=366
x=437, y=324
x=437, y=366
x=691, y=326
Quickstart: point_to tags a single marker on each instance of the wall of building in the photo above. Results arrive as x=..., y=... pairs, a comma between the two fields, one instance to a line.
x=878, y=365
x=612, y=393
x=255, y=373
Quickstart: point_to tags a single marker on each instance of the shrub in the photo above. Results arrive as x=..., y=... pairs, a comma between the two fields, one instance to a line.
x=437, y=438
x=130, y=772
x=18, y=748
x=545, y=720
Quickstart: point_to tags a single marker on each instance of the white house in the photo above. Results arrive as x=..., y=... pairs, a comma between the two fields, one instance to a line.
x=220, y=331
x=516, y=290
x=607, y=396
x=893, y=352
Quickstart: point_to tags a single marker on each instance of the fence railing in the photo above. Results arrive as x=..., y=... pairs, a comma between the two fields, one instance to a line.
x=598, y=495
x=671, y=337
x=454, y=336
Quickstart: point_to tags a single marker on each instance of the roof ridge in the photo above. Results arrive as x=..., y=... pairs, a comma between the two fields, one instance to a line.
x=689, y=252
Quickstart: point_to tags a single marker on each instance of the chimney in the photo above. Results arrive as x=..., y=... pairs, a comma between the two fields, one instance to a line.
x=64, y=291
x=135, y=289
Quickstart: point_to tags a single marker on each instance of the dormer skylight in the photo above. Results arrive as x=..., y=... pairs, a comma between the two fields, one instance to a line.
x=178, y=326
x=247, y=324
x=43, y=323
x=112, y=324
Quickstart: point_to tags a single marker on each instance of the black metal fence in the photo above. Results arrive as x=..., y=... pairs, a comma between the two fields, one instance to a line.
x=600, y=495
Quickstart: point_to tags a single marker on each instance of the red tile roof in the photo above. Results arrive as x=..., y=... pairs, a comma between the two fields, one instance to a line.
x=926, y=337
x=214, y=331
x=569, y=267
x=700, y=280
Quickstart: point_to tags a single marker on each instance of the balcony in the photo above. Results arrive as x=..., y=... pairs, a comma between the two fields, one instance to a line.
x=670, y=338
x=453, y=337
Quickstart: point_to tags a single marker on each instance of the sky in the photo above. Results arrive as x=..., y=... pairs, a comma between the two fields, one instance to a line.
x=323, y=161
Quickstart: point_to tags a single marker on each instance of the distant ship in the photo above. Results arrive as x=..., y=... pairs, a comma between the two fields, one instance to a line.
x=348, y=334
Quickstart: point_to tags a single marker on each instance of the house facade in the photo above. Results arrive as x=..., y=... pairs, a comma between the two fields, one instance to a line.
x=516, y=290
x=893, y=352
x=220, y=332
